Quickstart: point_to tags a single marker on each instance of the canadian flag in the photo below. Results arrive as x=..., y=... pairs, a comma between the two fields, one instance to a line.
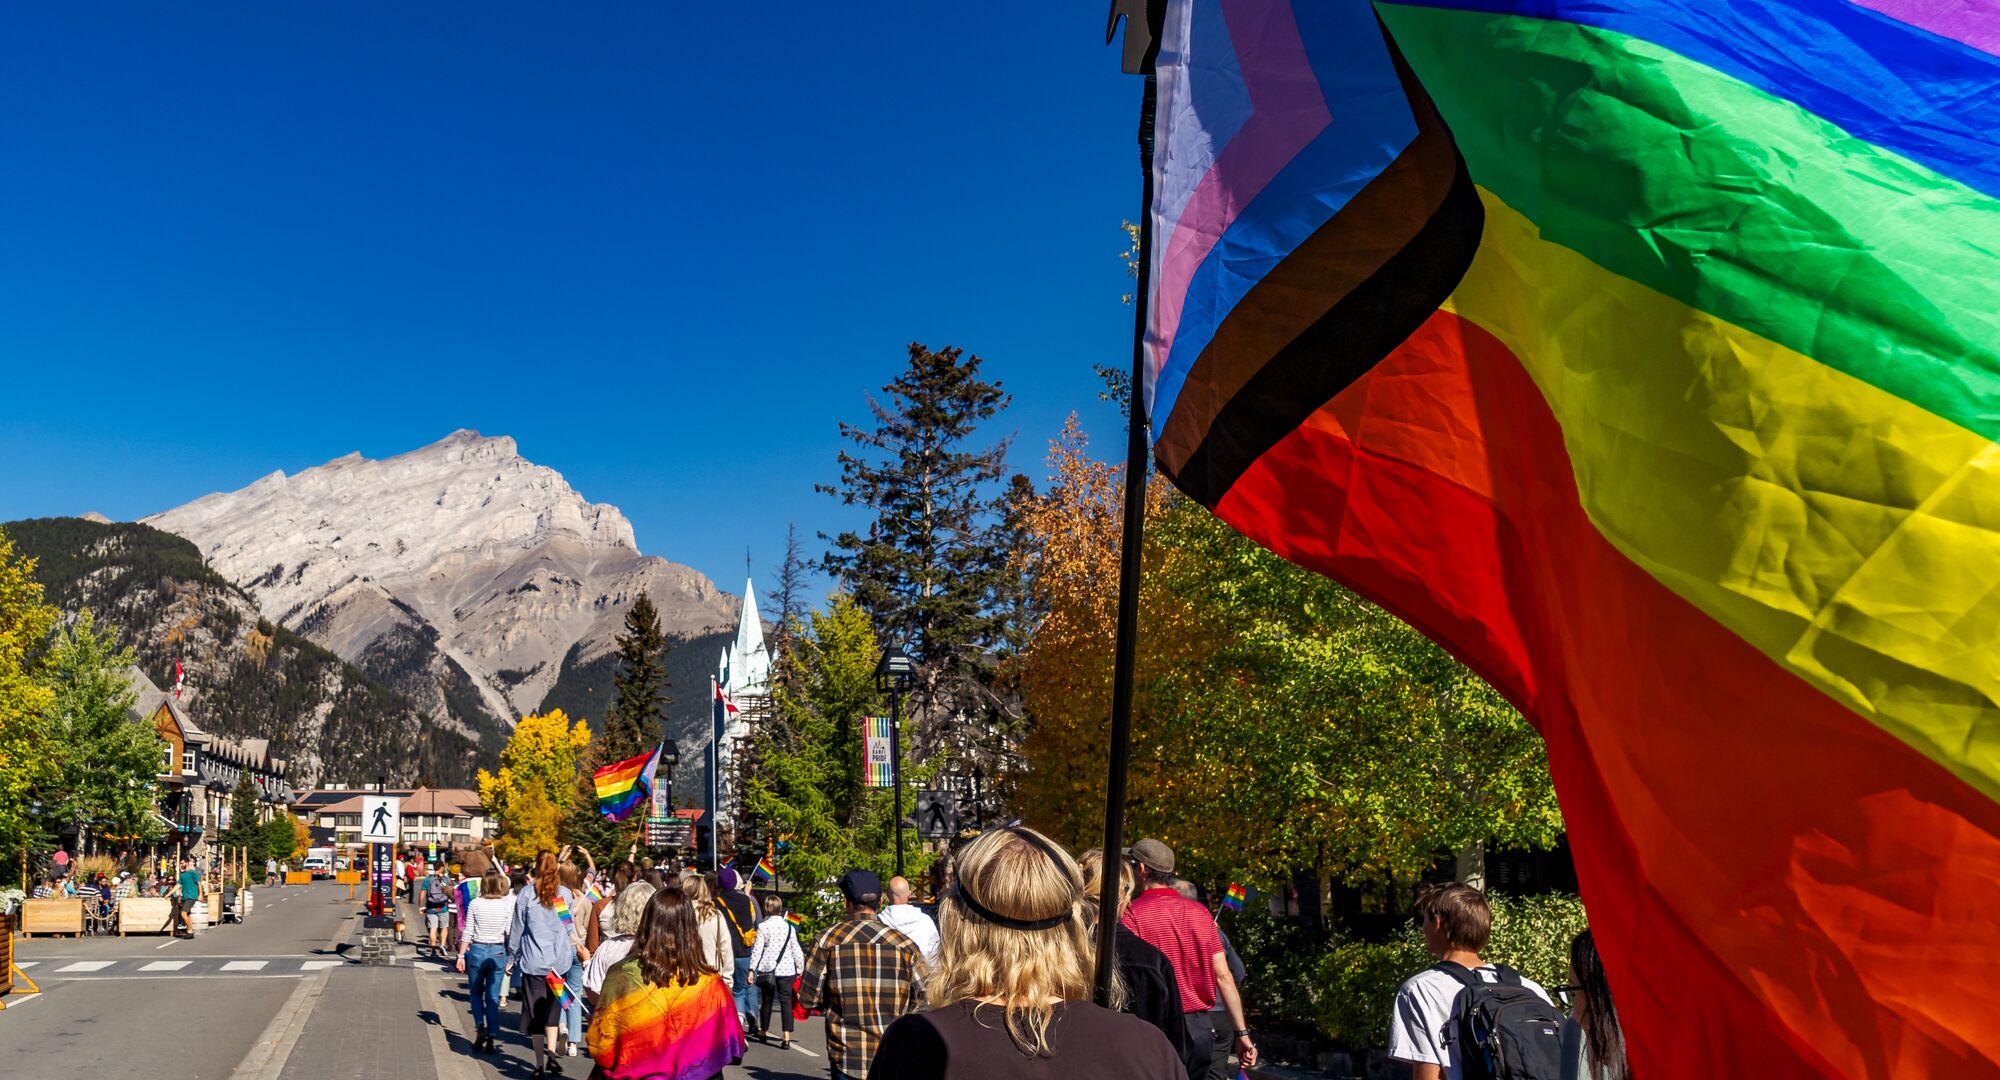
x=180, y=680
x=722, y=699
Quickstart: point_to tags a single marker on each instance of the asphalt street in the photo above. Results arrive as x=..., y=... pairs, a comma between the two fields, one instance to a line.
x=273, y=999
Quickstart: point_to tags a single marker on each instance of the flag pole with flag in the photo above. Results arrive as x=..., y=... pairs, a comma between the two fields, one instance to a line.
x=627, y=785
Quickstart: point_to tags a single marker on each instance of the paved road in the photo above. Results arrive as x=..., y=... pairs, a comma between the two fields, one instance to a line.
x=273, y=999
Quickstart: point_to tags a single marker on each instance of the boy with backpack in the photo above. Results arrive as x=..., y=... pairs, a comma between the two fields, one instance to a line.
x=435, y=893
x=1465, y=1019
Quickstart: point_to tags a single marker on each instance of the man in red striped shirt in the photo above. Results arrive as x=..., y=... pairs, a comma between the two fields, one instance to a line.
x=1186, y=933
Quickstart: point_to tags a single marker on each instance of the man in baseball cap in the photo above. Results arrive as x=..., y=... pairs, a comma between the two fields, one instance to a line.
x=863, y=973
x=1186, y=932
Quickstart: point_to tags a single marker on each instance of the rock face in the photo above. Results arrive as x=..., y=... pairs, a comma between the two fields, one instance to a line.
x=460, y=574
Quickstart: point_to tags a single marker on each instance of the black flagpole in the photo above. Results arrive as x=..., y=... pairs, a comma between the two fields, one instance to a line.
x=1140, y=48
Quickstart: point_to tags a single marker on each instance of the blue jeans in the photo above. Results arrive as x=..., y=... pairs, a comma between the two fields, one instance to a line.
x=483, y=965
x=746, y=991
x=572, y=1016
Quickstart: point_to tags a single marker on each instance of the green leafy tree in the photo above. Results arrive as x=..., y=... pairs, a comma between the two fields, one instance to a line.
x=106, y=764
x=536, y=778
x=245, y=833
x=286, y=837
x=631, y=727
x=810, y=789
x=935, y=553
x=27, y=754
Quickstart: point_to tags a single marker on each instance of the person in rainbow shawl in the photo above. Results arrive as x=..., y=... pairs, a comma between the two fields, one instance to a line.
x=665, y=1013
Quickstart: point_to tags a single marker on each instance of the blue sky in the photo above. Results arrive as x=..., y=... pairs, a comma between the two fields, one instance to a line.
x=665, y=246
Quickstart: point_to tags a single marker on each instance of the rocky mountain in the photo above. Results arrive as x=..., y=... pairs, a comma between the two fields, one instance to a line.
x=460, y=575
x=246, y=676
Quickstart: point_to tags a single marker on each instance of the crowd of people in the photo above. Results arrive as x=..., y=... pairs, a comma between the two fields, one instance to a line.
x=102, y=891
x=651, y=971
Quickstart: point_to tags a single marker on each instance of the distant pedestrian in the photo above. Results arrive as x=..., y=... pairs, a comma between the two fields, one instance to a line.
x=271, y=873
x=62, y=863
x=539, y=945
x=1185, y=931
x=1010, y=994
x=482, y=956
x=741, y=916
x=775, y=961
x=435, y=891
x=1432, y=1023
x=1219, y=1048
x=187, y=890
x=665, y=1011
x=900, y=914
x=864, y=974
x=621, y=926
x=622, y=877
x=1151, y=994
x=1593, y=1045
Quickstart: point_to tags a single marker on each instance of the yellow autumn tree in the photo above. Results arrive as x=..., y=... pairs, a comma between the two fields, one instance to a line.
x=537, y=770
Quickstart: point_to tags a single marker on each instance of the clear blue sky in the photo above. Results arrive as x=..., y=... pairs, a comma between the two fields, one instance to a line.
x=666, y=246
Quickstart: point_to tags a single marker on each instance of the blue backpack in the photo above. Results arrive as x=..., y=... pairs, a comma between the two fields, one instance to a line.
x=1505, y=1031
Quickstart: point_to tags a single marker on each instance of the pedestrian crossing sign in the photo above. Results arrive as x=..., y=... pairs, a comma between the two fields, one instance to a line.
x=379, y=820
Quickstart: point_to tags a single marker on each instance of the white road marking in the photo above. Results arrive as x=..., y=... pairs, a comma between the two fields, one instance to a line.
x=320, y=965
x=803, y=1050
x=87, y=965
x=170, y=943
x=165, y=965
x=245, y=965
x=26, y=964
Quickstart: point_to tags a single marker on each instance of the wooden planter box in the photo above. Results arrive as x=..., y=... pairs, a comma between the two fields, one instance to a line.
x=52, y=916
x=6, y=953
x=144, y=915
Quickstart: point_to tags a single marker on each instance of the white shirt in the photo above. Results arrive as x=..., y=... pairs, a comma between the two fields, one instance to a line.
x=914, y=925
x=609, y=951
x=487, y=920
x=777, y=951
x=1422, y=1022
x=713, y=930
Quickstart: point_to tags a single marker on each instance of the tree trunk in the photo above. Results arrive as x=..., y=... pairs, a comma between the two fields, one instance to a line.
x=1472, y=864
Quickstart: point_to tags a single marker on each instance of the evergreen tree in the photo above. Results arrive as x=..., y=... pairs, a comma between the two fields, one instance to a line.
x=245, y=833
x=632, y=726
x=788, y=601
x=933, y=557
x=106, y=764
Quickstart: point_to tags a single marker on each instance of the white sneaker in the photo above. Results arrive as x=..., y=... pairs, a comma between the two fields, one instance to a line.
x=572, y=1050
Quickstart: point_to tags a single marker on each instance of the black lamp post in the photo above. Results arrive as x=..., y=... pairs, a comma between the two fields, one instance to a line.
x=893, y=675
x=670, y=759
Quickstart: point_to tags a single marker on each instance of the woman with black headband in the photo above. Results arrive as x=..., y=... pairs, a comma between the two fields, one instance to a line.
x=1010, y=991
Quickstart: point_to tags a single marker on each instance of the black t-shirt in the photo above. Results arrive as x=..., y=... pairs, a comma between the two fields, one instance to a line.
x=971, y=1040
x=1151, y=993
x=742, y=917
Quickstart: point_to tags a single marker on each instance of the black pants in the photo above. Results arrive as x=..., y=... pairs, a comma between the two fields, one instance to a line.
x=1199, y=1052
x=774, y=989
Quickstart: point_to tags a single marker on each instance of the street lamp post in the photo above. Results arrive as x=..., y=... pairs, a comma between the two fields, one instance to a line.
x=893, y=675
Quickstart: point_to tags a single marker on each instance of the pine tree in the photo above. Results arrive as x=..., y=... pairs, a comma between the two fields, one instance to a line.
x=930, y=563
x=789, y=602
x=632, y=726
x=245, y=833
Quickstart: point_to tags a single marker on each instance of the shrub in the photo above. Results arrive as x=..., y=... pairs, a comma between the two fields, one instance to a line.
x=1356, y=981
x=1280, y=965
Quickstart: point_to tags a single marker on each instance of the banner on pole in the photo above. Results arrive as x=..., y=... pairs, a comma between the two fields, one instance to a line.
x=878, y=746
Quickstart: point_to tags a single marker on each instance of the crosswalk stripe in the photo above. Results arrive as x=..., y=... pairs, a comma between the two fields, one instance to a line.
x=26, y=964
x=245, y=965
x=320, y=965
x=165, y=965
x=87, y=965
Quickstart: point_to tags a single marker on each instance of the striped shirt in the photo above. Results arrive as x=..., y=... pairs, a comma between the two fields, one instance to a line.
x=1186, y=932
x=865, y=975
x=487, y=919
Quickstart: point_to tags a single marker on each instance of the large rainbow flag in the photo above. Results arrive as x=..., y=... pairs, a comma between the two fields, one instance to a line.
x=1647, y=354
x=677, y=1032
x=624, y=787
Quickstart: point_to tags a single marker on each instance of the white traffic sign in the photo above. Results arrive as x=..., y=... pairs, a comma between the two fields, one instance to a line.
x=380, y=822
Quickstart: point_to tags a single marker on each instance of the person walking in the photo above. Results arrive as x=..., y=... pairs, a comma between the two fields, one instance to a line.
x=1185, y=931
x=709, y=924
x=775, y=961
x=187, y=890
x=622, y=923
x=902, y=915
x=664, y=1010
x=1010, y=994
x=1593, y=1045
x=622, y=876
x=434, y=890
x=482, y=956
x=574, y=918
x=539, y=945
x=741, y=916
x=864, y=974
x=1218, y=1021
x=1429, y=1025
x=271, y=877
x=1150, y=991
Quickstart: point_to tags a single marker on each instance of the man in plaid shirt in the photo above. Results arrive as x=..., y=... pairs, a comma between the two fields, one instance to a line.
x=863, y=974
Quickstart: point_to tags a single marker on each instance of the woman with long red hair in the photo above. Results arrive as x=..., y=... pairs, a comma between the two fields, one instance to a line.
x=542, y=947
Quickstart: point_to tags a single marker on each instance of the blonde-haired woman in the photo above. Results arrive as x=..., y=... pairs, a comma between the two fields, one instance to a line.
x=1145, y=972
x=1010, y=990
x=716, y=948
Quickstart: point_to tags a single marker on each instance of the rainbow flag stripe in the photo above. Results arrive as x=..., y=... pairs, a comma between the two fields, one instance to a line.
x=467, y=890
x=795, y=918
x=624, y=787
x=561, y=908
x=1644, y=353
x=666, y=1032
x=564, y=996
x=764, y=871
x=1234, y=897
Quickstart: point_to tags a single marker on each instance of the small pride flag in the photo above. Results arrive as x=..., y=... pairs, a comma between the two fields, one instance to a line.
x=562, y=909
x=764, y=871
x=564, y=997
x=795, y=918
x=467, y=889
x=623, y=787
x=1233, y=899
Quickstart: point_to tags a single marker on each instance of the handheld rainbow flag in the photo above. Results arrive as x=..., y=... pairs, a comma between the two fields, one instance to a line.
x=1234, y=896
x=564, y=996
x=624, y=787
x=467, y=890
x=764, y=870
x=878, y=769
x=1613, y=341
x=795, y=918
x=561, y=908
